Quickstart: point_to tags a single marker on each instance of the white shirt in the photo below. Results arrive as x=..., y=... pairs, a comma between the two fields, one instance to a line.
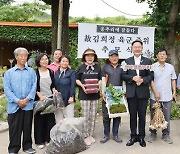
x=163, y=81
x=137, y=62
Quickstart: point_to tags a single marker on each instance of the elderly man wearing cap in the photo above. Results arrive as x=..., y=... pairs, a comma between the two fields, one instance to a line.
x=112, y=72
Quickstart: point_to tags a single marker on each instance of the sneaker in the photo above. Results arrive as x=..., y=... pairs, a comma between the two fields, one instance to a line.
x=151, y=138
x=117, y=139
x=104, y=139
x=30, y=151
x=167, y=139
x=40, y=146
x=92, y=139
x=87, y=141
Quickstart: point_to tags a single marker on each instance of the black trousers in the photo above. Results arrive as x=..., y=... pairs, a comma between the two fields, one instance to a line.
x=20, y=122
x=138, y=107
x=42, y=126
x=107, y=122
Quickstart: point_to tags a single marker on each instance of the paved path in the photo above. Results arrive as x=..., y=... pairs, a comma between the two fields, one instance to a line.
x=111, y=147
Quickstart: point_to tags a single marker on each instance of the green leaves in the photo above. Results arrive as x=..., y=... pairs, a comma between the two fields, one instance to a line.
x=5, y=2
x=116, y=95
x=29, y=12
x=25, y=34
x=175, y=111
x=109, y=20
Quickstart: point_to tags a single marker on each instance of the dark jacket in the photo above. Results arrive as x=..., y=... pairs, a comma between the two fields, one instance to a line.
x=114, y=75
x=65, y=84
x=142, y=91
x=38, y=82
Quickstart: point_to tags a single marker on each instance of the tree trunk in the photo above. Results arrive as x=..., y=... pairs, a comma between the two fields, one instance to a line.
x=54, y=10
x=65, y=27
x=170, y=37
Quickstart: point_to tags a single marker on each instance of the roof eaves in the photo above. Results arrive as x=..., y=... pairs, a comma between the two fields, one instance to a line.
x=29, y=24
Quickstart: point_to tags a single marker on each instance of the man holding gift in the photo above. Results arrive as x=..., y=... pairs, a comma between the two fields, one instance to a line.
x=137, y=92
x=163, y=90
x=111, y=74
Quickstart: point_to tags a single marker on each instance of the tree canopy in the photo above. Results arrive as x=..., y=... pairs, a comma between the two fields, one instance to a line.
x=5, y=2
x=29, y=12
x=166, y=17
x=161, y=14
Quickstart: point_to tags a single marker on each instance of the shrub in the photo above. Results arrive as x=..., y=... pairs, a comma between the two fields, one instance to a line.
x=1, y=85
x=3, y=109
x=175, y=111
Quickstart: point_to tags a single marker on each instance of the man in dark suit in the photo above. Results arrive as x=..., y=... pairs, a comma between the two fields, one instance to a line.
x=137, y=92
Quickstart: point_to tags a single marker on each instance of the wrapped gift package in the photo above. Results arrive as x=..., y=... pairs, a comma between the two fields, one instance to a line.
x=66, y=138
x=92, y=91
x=91, y=86
x=91, y=81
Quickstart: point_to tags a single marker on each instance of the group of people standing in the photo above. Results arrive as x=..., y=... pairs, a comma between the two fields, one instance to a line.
x=22, y=85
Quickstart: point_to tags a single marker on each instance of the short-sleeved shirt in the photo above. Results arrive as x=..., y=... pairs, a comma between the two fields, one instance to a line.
x=114, y=74
x=163, y=81
x=53, y=67
x=178, y=81
x=83, y=73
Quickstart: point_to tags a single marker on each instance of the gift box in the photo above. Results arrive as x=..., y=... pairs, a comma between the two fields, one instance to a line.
x=91, y=81
x=91, y=86
x=92, y=91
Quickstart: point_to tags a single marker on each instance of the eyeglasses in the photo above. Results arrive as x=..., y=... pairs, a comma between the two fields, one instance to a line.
x=22, y=56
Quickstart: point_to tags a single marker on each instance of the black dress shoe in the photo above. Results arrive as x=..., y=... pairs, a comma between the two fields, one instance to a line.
x=131, y=141
x=142, y=143
x=104, y=139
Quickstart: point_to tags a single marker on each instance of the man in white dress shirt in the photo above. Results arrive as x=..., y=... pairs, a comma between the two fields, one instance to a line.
x=137, y=92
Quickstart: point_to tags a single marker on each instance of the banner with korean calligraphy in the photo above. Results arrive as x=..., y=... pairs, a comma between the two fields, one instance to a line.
x=103, y=38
